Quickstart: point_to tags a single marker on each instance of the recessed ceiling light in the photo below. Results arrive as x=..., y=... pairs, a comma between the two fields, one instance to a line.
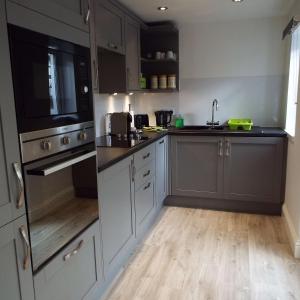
x=162, y=8
x=237, y=1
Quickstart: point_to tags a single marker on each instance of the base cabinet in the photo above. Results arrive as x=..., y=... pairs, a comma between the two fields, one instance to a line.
x=16, y=281
x=75, y=272
x=197, y=166
x=236, y=173
x=253, y=169
x=161, y=175
x=144, y=206
x=115, y=186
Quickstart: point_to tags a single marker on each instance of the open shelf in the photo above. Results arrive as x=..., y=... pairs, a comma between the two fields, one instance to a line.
x=159, y=37
x=159, y=90
x=54, y=231
x=152, y=60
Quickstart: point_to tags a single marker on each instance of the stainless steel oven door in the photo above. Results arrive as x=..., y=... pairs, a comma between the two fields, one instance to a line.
x=62, y=200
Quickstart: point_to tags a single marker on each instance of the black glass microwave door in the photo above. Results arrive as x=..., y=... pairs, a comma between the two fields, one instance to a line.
x=47, y=78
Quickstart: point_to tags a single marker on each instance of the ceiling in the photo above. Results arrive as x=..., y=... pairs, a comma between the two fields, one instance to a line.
x=182, y=11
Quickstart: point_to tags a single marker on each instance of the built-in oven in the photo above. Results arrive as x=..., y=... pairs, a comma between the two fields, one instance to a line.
x=52, y=81
x=60, y=176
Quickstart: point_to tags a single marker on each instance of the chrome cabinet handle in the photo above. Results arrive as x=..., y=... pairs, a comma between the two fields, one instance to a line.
x=147, y=186
x=162, y=142
x=132, y=170
x=73, y=252
x=18, y=173
x=220, y=148
x=96, y=73
x=88, y=14
x=227, y=148
x=146, y=156
x=27, y=247
x=147, y=173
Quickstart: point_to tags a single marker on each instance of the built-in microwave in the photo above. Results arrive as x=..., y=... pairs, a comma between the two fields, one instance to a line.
x=52, y=81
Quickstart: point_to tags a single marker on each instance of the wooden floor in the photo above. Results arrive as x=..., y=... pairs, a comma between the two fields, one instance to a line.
x=199, y=254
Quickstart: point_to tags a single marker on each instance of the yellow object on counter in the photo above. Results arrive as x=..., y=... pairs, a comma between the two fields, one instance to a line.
x=154, y=129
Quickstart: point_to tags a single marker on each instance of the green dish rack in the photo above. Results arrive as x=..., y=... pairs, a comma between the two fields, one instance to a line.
x=240, y=124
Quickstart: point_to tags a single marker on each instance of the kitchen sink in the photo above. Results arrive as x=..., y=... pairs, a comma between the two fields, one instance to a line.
x=202, y=127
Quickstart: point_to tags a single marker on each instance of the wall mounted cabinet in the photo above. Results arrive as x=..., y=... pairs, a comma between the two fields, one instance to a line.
x=110, y=26
x=65, y=19
x=133, y=68
x=75, y=13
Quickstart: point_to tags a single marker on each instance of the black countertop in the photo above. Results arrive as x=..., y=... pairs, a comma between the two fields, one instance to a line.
x=255, y=132
x=108, y=156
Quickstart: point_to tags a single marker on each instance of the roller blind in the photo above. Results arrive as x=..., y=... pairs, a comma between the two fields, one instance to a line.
x=293, y=84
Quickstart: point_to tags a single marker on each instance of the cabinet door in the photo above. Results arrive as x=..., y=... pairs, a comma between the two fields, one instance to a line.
x=161, y=170
x=109, y=24
x=253, y=169
x=72, y=12
x=116, y=210
x=75, y=272
x=15, y=276
x=11, y=186
x=132, y=54
x=144, y=206
x=197, y=166
x=94, y=49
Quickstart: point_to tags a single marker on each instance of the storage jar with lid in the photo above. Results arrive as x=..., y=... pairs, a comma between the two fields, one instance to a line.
x=163, y=81
x=172, y=81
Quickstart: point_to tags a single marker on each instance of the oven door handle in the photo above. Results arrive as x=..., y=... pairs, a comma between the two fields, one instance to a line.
x=55, y=168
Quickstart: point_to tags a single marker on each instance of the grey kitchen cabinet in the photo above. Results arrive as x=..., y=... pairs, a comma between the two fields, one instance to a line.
x=133, y=68
x=144, y=200
x=161, y=175
x=197, y=166
x=94, y=49
x=16, y=281
x=253, y=168
x=109, y=26
x=75, y=13
x=115, y=188
x=75, y=272
x=12, y=203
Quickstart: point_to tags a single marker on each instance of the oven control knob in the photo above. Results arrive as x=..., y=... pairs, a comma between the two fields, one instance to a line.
x=46, y=145
x=83, y=136
x=66, y=140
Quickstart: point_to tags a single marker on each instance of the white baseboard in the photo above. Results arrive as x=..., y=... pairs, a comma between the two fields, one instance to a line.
x=292, y=233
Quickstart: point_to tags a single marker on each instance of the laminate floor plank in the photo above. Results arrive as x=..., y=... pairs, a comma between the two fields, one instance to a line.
x=194, y=254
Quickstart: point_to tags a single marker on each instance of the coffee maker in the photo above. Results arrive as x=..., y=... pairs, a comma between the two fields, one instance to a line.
x=163, y=117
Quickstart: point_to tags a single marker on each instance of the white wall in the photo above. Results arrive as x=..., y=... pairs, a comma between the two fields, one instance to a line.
x=240, y=63
x=292, y=195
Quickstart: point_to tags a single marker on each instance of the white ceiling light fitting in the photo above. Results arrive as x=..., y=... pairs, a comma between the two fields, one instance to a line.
x=162, y=8
x=237, y=1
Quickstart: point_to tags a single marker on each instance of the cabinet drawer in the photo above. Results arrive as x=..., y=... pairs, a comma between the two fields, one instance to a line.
x=144, y=202
x=144, y=174
x=144, y=156
x=73, y=273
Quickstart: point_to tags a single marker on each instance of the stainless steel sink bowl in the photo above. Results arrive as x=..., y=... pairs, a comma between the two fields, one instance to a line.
x=202, y=127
